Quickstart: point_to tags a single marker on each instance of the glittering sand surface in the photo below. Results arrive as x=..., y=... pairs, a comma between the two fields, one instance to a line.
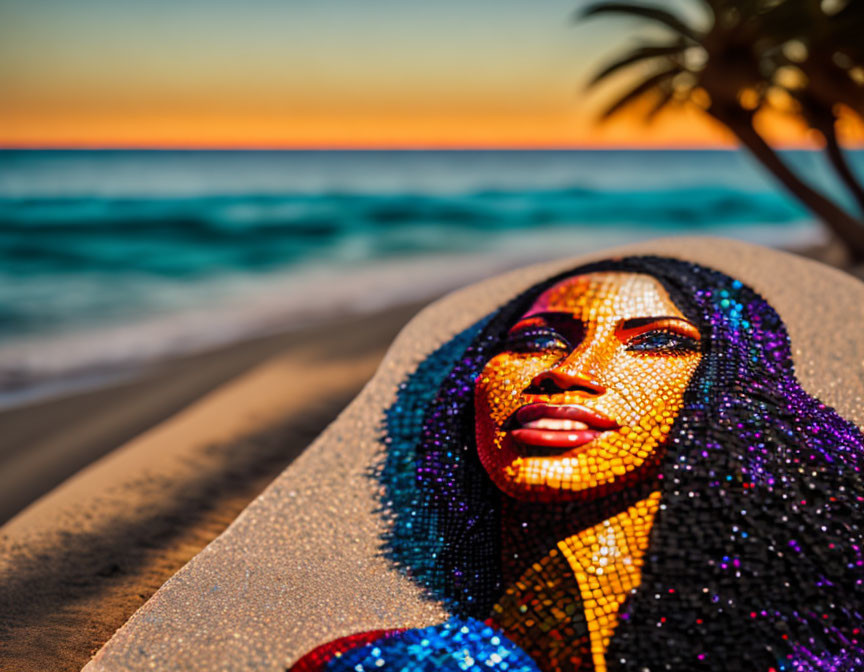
x=300, y=565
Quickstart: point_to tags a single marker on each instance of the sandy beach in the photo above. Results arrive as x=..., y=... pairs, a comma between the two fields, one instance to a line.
x=216, y=218
x=136, y=478
x=183, y=450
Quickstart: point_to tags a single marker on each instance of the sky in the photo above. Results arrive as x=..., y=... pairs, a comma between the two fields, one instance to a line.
x=320, y=74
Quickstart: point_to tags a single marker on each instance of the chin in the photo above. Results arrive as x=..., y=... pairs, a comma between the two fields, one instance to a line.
x=512, y=474
x=510, y=481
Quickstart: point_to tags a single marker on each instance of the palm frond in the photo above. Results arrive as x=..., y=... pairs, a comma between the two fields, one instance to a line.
x=662, y=16
x=635, y=56
x=663, y=100
x=641, y=89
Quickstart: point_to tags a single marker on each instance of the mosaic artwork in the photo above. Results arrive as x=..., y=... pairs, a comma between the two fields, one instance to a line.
x=618, y=470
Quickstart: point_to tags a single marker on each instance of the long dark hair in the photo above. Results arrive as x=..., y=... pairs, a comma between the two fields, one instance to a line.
x=755, y=559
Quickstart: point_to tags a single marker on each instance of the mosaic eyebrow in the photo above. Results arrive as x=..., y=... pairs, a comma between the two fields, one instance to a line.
x=548, y=319
x=550, y=315
x=637, y=323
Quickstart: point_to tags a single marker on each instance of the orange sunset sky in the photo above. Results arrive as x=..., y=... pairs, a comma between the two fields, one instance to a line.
x=320, y=74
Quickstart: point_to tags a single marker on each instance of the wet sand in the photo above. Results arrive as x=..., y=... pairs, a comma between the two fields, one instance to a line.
x=44, y=443
x=76, y=564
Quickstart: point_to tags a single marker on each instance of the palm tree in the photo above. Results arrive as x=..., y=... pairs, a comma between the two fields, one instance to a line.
x=722, y=68
x=828, y=50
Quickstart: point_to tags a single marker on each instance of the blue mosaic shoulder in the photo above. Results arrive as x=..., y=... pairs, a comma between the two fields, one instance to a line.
x=454, y=646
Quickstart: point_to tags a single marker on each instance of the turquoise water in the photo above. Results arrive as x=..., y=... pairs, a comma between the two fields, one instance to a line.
x=95, y=240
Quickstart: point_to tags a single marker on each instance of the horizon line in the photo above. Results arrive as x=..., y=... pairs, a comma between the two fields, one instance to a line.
x=370, y=148
x=403, y=148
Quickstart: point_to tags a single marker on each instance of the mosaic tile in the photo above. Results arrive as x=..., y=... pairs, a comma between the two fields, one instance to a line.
x=618, y=470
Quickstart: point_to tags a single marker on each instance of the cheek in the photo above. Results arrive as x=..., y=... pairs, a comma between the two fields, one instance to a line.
x=499, y=387
x=486, y=410
x=653, y=388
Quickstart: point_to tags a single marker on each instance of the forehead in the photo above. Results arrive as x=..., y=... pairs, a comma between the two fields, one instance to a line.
x=607, y=295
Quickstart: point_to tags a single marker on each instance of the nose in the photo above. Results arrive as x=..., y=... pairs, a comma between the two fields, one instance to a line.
x=558, y=380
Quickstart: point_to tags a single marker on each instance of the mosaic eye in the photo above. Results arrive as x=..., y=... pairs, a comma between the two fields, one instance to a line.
x=662, y=341
x=535, y=339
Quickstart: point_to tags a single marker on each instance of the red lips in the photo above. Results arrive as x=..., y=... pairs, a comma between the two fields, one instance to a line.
x=562, y=426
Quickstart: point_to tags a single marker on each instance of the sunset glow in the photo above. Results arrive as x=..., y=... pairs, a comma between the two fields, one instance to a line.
x=324, y=75
x=384, y=131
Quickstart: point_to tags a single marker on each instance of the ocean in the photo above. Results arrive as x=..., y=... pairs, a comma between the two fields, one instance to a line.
x=111, y=259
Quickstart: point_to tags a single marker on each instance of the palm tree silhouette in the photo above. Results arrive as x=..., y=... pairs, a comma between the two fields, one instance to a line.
x=728, y=69
x=829, y=48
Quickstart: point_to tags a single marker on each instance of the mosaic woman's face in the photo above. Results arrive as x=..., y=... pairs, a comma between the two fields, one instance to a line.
x=583, y=394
